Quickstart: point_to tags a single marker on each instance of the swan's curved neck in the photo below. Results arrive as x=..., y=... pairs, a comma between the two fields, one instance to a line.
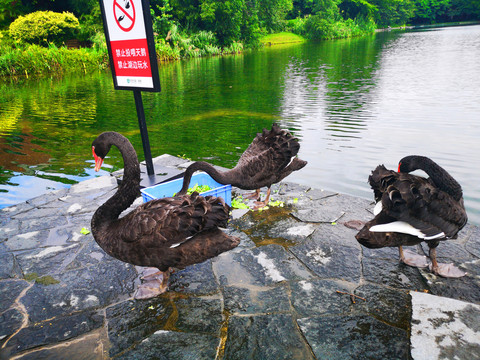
x=221, y=177
x=440, y=177
x=127, y=191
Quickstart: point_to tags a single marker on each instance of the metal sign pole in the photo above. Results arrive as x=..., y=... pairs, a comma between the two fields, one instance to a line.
x=133, y=60
x=137, y=94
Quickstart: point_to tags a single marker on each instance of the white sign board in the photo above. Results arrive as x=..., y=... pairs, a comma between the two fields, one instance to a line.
x=129, y=35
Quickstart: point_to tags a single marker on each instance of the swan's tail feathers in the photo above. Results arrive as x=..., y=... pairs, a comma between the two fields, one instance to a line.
x=281, y=138
x=380, y=179
x=405, y=228
x=296, y=164
x=204, y=246
x=371, y=240
x=209, y=211
x=379, y=239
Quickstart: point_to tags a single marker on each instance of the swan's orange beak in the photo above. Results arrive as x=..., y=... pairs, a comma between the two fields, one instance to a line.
x=98, y=160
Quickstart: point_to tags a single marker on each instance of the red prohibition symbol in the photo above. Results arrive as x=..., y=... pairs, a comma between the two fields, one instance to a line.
x=124, y=13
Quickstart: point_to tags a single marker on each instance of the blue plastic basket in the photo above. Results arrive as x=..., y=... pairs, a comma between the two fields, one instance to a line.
x=169, y=188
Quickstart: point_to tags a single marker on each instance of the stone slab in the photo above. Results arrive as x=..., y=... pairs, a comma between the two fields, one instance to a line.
x=265, y=337
x=354, y=337
x=444, y=328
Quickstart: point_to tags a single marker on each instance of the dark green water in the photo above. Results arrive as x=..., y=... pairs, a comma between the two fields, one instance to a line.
x=353, y=103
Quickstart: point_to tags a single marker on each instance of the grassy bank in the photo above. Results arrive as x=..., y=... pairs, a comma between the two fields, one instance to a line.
x=282, y=38
x=34, y=59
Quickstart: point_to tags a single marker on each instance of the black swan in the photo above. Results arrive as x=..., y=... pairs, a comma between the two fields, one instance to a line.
x=270, y=157
x=411, y=209
x=163, y=233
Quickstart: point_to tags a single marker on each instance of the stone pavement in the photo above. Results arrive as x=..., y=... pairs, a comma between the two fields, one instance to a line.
x=283, y=293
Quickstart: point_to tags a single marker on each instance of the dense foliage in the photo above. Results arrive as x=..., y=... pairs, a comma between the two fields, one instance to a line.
x=189, y=28
x=247, y=20
x=44, y=27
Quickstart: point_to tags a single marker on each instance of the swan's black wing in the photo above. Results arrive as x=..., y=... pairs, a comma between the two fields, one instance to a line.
x=169, y=221
x=418, y=202
x=278, y=139
x=268, y=155
x=158, y=233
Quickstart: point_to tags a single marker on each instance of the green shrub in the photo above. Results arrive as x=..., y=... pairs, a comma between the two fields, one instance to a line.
x=164, y=51
x=297, y=26
x=44, y=27
x=319, y=28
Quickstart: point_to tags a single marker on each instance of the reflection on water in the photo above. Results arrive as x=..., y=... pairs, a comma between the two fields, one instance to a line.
x=353, y=103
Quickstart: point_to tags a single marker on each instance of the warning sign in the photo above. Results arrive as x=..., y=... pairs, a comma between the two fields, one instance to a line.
x=124, y=11
x=129, y=35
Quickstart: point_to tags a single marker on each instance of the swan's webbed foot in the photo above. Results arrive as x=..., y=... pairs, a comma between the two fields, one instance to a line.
x=261, y=204
x=412, y=259
x=354, y=224
x=153, y=284
x=255, y=195
x=447, y=270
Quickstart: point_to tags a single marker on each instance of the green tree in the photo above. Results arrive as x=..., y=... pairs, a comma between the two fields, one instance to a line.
x=351, y=9
x=9, y=10
x=77, y=7
x=430, y=11
x=393, y=12
x=162, y=17
x=327, y=9
x=272, y=13
x=301, y=8
x=228, y=21
x=464, y=9
x=187, y=14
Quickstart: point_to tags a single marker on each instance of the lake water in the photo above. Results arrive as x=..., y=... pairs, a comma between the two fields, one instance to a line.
x=353, y=104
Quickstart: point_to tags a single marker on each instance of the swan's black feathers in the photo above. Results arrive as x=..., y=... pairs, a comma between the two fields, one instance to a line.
x=416, y=201
x=145, y=236
x=271, y=156
x=167, y=221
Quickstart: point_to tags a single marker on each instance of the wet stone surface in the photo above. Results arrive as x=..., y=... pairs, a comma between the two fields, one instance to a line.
x=346, y=337
x=265, y=337
x=298, y=286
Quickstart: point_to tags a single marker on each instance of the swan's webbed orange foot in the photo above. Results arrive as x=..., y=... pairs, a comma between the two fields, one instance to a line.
x=259, y=205
x=255, y=195
x=412, y=259
x=152, y=285
x=354, y=224
x=447, y=270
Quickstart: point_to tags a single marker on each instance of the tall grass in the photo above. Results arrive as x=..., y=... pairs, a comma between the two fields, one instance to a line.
x=35, y=59
x=234, y=48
